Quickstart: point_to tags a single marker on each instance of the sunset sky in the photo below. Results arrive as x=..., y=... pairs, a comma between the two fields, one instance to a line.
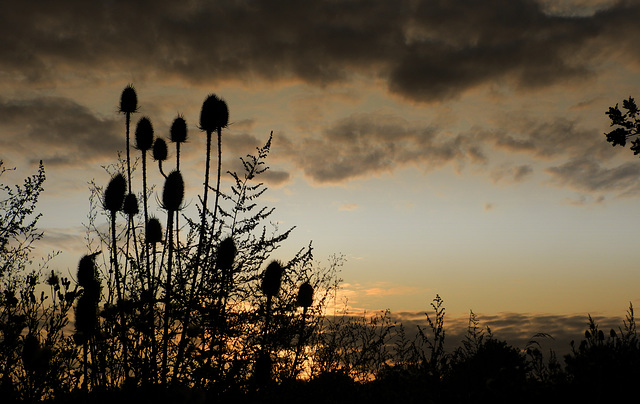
x=450, y=147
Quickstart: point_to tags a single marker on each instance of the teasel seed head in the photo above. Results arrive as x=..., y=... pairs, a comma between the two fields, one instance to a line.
x=130, y=207
x=305, y=295
x=144, y=134
x=87, y=271
x=128, y=100
x=160, y=149
x=226, y=254
x=179, y=130
x=173, y=192
x=114, y=194
x=153, y=231
x=214, y=113
x=53, y=279
x=272, y=278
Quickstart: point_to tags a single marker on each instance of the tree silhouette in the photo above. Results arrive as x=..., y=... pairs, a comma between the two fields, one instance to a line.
x=626, y=125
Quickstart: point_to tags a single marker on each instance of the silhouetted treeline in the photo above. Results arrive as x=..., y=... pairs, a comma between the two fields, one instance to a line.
x=165, y=307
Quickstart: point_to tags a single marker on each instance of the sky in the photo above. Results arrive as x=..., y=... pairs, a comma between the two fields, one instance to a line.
x=442, y=147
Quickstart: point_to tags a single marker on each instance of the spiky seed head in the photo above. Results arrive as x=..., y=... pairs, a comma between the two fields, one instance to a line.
x=214, y=113
x=226, y=254
x=130, y=207
x=114, y=194
x=272, y=278
x=53, y=279
x=128, y=100
x=305, y=295
x=153, y=231
x=173, y=192
x=144, y=134
x=87, y=272
x=179, y=130
x=160, y=150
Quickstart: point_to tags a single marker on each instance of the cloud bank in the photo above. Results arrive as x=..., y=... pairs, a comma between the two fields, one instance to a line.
x=423, y=50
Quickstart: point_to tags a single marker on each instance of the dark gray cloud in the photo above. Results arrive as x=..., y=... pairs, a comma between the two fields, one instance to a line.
x=58, y=131
x=424, y=50
x=588, y=175
x=549, y=139
x=364, y=144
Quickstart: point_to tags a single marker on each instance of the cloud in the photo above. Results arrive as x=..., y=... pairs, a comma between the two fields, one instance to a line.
x=511, y=174
x=58, y=131
x=546, y=140
x=423, y=50
x=370, y=143
x=585, y=174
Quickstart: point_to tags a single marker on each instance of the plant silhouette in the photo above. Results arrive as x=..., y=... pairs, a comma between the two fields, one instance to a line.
x=207, y=312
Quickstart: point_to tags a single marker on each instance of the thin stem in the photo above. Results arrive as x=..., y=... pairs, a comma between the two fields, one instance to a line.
x=146, y=212
x=119, y=303
x=167, y=303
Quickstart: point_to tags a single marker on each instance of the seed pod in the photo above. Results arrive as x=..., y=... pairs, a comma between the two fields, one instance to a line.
x=226, y=254
x=114, y=194
x=272, y=279
x=53, y=279
x=87, y=272
x=305, y=295
x=153, y=231
x=130, y=206
x=144, y=134
x=214, y=113
x=173, y=192
x=128, y=100
x=160, y=150
x=179, y=130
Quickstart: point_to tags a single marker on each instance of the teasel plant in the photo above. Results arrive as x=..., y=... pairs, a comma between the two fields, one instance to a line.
x=128, y=106
x=144, y=142
x=113, y=202
x=214, y=116
x=172, y=198
x=153, y=236
x=86, y=315
x=304, y=299
x=271, y=282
